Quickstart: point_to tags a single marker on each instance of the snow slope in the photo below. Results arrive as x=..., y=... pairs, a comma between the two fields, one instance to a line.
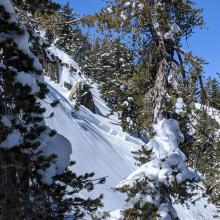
x=99, y=145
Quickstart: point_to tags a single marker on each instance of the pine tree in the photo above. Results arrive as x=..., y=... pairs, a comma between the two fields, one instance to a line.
x=112, y=69
x=204, y=152
x=213, y=88
x=70, y=37
x=68, y=34
x=37, y=6
x=24, y=193
x=165, y=85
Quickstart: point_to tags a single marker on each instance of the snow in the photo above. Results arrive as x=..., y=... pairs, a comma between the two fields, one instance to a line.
x=13, y=139
x=26, y=79
x=5, y=120
x=59, y=146
x=175, y=28
x=24, y=45
x=163, y=211
x=98, y=143
x=66, y=67
x=22, y=40
x=10, y=9
x=213, y=113
x=169, y=36
x=167, y=166
x=140, y=6
x=115, y=215
x=65, y=58
x=127, y=4
x=123, y=16
x=167, y=162
x=201, y=210
x=109, y=10
x=179, y=106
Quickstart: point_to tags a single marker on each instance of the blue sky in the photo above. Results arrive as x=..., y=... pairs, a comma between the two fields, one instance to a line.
x=204, y=43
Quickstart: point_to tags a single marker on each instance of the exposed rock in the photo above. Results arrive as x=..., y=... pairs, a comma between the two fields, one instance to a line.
x=81, y=91
x=73, y=91
x=87, y=101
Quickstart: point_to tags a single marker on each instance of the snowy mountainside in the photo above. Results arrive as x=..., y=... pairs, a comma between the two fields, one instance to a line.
x=99, y=145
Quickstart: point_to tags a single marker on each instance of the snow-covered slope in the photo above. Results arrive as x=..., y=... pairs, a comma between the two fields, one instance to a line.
x=99, y=145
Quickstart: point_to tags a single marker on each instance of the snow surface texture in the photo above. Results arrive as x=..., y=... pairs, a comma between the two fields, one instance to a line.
x=99, y=145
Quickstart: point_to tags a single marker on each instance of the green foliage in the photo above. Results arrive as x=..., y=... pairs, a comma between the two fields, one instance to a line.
x=55, y=103
x=37, y=6
x=23, y=193
x=69, y=36
x=142, y=155
x=213, y=90
x=163, y=73
x=81, y=92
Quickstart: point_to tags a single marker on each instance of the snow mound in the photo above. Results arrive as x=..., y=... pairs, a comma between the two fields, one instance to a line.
x=167, y=162
x=59, y=146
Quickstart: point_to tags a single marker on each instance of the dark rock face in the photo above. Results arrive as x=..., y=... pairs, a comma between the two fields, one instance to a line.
x=81, y=92
x=50, y=64
x=87, y=101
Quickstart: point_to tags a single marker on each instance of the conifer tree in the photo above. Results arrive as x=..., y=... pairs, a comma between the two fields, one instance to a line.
x=213, y=89
x=68, y=33
x=167, y=78
x=112, y=69
x=37, y=6
x=24, y=192
x=70, y=37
